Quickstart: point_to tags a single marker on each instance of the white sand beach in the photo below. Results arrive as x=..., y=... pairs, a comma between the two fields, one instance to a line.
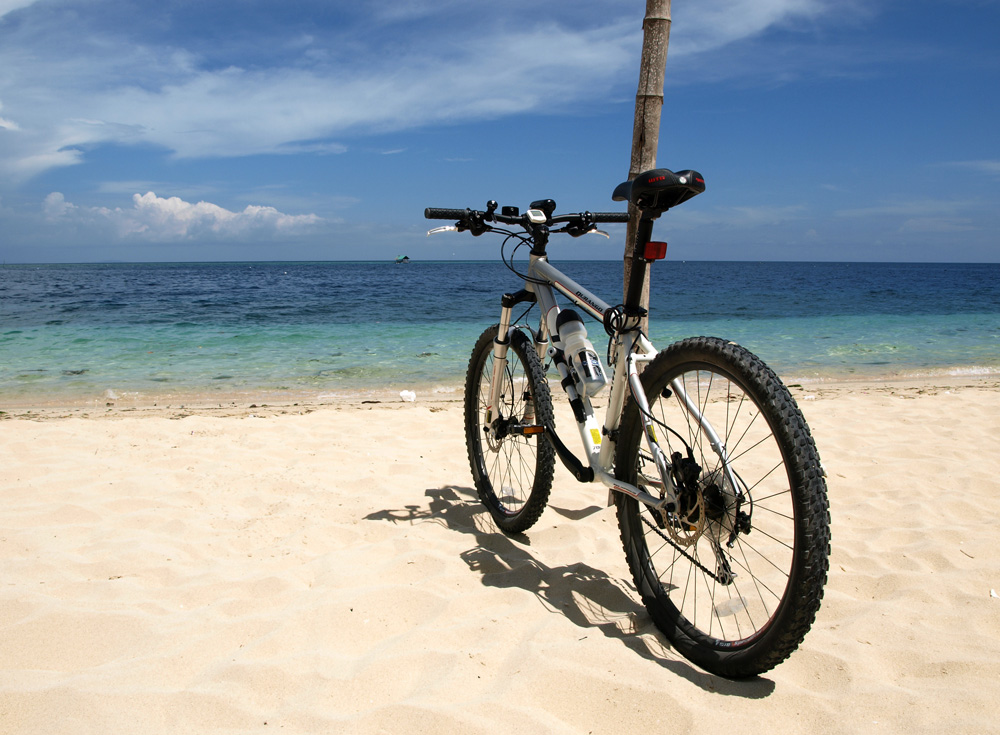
x=328, y=568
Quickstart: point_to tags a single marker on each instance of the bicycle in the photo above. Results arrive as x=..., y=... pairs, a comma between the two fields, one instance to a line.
x=720, y=495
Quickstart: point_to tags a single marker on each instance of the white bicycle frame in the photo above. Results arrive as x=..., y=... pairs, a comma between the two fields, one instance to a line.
x=627, y=351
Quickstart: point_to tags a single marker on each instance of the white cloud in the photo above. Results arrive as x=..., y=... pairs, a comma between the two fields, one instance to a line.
x=104, y=84
x=938, y=224
x=56, y=206
x=7, y=124
x=737, y=217
x=736, y=41
x=234, y=111
x=923, y=215
x=9, y=6
x=915, y=208
x=139, y=95
x=710, y=24
x=170, y=219
x=988, y=167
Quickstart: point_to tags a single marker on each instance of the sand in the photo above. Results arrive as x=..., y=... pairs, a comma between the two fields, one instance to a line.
x=327, y=568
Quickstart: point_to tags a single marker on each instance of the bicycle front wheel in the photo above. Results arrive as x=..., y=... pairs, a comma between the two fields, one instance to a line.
x=734, y=575
x=512, y=468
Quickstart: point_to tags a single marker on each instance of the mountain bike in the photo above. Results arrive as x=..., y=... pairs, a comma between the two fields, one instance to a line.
x=720, y=495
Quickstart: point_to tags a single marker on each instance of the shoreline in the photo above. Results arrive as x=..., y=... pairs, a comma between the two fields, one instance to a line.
x=217, y=403
x=270, y=403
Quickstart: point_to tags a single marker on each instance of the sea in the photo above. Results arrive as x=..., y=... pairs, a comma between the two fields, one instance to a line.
x=274, y=331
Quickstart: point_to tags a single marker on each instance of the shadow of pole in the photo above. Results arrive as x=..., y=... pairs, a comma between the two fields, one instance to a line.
x=586, y=596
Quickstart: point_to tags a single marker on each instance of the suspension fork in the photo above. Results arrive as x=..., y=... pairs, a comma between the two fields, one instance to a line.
x=500, y=346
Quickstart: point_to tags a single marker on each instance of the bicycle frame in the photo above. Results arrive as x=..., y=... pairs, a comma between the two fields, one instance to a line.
x=683, y=508
x=628, y=349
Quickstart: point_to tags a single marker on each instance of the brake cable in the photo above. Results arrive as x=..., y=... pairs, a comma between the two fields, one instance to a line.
x=522, y=241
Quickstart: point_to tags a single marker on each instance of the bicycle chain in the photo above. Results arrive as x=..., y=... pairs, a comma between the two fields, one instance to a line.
x=702, y=567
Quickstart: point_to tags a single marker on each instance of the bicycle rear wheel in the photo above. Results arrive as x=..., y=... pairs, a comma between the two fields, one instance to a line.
x=512, y=469
x=734, y=576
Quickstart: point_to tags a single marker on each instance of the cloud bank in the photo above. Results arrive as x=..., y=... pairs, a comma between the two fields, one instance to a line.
x=158, y=219
x=9, y=6
x=93, y=74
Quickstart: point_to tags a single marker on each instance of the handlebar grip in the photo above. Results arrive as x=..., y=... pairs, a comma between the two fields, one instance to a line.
x=436, y=213
x=610, y=216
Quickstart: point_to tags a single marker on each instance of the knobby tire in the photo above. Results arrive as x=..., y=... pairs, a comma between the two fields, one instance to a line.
x=512, y=473
x=735, y=611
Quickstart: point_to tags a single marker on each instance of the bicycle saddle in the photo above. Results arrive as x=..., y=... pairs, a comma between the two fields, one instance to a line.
x=660, y=189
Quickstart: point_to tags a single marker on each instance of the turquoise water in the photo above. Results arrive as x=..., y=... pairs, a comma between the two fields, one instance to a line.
x=147, y=332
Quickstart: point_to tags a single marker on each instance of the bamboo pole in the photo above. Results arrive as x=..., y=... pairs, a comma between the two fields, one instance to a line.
x=648, y=105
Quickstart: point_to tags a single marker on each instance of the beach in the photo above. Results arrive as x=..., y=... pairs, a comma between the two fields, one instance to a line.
x=319, y=567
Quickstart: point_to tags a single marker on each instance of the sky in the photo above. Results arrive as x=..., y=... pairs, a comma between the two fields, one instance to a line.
x=236, y=130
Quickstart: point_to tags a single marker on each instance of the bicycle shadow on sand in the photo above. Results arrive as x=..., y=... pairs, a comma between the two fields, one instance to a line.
x=586, y=596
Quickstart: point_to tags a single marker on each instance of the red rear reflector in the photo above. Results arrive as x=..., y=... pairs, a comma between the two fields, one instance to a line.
x=655, y=251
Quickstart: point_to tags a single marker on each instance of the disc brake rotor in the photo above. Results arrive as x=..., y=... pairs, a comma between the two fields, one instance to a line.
x=686, y=528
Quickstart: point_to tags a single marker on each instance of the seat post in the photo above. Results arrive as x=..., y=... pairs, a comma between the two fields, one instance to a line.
x=637, y=275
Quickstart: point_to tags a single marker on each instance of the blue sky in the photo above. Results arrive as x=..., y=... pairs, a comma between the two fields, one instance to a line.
x=317, y=129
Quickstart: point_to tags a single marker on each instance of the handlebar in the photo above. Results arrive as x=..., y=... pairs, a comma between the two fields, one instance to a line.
x=468, y=214
x=608, y=216
x=436, y=213
x=478, y=222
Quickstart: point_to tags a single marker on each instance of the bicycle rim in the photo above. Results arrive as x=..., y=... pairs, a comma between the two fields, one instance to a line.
x=513, y=471
x=731, y=576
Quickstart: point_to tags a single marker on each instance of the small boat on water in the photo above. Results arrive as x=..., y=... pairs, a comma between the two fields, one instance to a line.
x=402, y=259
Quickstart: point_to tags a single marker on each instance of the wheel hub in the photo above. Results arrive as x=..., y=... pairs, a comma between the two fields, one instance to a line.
x=688, y=522
x=496, y=432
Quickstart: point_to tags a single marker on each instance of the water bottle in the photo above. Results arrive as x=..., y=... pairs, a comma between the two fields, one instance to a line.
x=580, y=352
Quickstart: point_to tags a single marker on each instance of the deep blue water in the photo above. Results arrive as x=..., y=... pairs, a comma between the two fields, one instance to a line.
x=144, y=330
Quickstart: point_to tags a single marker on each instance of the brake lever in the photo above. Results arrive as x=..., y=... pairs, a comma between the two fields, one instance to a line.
x=577, y=231
x=446, y=228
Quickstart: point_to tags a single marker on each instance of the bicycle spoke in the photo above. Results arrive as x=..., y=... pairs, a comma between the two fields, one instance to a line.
x=513, y=472
x=720, y=592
